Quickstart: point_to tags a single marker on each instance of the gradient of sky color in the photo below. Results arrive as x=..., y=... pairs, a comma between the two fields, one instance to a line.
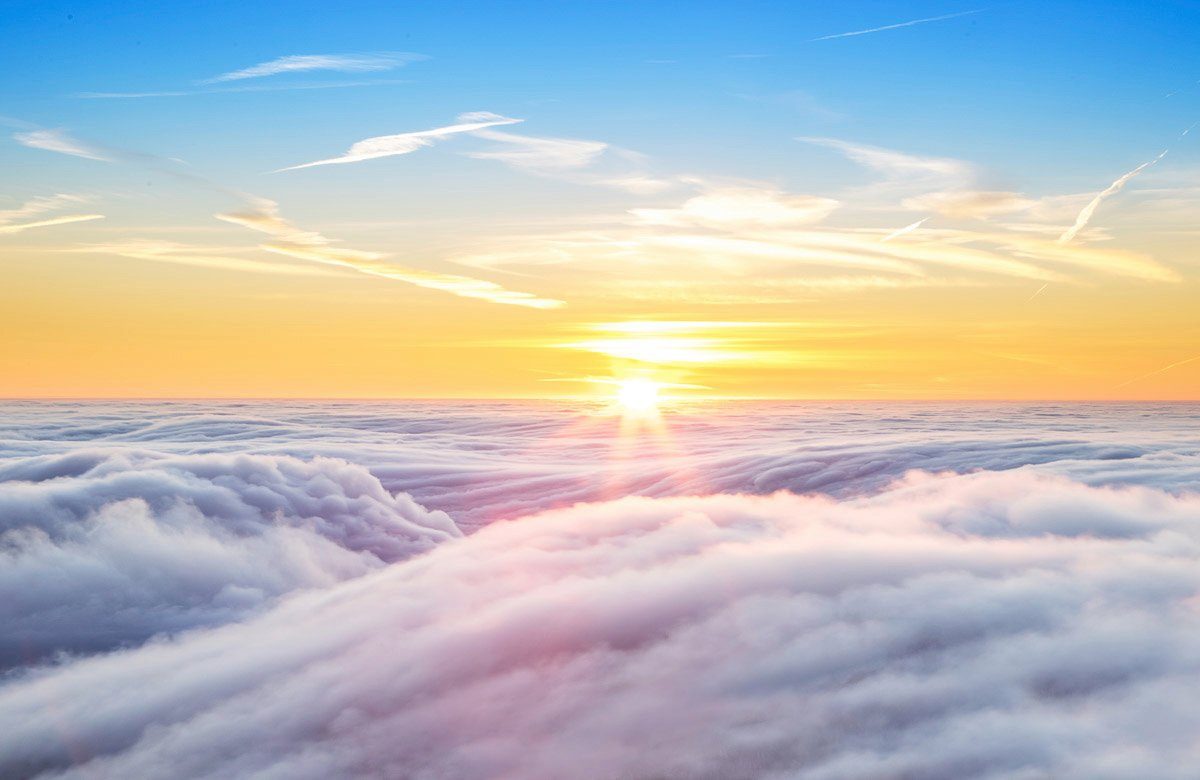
x=735, y=198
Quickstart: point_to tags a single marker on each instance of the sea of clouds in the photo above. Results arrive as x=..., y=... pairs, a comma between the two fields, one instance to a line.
x=524, y=590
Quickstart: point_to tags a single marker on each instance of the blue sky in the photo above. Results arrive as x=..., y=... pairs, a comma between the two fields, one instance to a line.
x=1018, y=86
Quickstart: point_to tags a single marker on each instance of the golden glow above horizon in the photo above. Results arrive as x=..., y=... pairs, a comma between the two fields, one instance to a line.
x=638, y=396
x=716, y=289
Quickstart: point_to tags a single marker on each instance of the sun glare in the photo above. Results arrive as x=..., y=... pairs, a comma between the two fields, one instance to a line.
x=638, y=395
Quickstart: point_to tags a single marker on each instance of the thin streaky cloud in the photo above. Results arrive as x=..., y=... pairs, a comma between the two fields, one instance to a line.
x=343, y=63
x=903, y=230
x=1040, y=290
x=217, y=258
x=891, y=162
x=291, y=241
x=60, y=141
x=404, y=143
x=1089, y=210
x=40, y=205
x=1162, y=370
x=231, y=90
x=11, y=220
x=63, y=220
x=531, y=152
x=898, y=25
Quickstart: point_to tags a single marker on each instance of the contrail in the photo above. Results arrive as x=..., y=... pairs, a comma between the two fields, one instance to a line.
x=1112, y=189
x=1040, y=290
x=1159, y=371
x=903, y=230
x=899, y=24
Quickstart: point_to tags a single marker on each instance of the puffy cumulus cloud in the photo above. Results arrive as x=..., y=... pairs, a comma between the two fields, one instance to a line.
x=990, y=625
x=102, y=548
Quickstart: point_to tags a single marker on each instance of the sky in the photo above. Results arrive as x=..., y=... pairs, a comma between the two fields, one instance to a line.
x=917, y=200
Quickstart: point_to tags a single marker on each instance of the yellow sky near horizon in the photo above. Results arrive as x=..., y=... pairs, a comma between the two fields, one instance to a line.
x=714, y=287
x=84, y=326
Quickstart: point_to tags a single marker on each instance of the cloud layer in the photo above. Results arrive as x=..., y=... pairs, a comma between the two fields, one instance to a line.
x=102, y=548
x=1009, y=625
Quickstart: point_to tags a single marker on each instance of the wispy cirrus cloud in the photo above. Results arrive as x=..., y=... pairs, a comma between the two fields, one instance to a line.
x=300, y=63
x=219, y=258
x=898, y=25
x=893, y=163
x=292, y=241
x=731, y=207
x=238, y=88
x=405, y=143
x=539, y=154
x=904, y=230
x=1089, y=210
x=25, y=216
x=62, y=142
x=63, y=220
x=970, y=204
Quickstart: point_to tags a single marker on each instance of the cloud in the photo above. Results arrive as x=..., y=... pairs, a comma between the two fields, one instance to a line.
x=638, y=184
x=245, y=88
x=10, y=219
x=898, y=25
x=1158, y=371
x=312, y=246
x=760, y=236
x=60, y=141
x=741, y=207
x=984, y=625
x=198, y=256
x=970, y=204
x=404, y=143
x=343, y=63
x=539, y=154
x=104, y=548
x=904, y=230
x=64, y=220
x=893, y=163
x=1089, y=210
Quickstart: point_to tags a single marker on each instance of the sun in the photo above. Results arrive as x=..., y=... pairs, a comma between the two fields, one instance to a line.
x=638, y=396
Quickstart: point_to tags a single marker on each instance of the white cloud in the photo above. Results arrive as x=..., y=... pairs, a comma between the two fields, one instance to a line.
x=221, y=258
x=11, y=219
x=970, y=204
x=742, y=207
x=539, y=154
x=893, y=163
x=60, y=141
x=897, y=26
x=1085, y=215
x=105, y=547
x=997, y=624
x=343, y=63
x=312, y=246
x=404, y=143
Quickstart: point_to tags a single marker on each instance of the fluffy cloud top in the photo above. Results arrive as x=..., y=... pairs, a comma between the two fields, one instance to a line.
x=988, y=625
x=102, y=548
